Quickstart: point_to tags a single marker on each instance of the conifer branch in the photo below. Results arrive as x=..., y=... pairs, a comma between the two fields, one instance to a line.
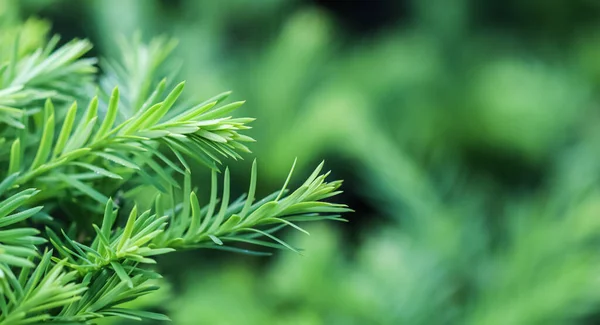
x=127, y=136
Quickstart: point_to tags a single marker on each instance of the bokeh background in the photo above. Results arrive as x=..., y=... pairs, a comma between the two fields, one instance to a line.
x=467, y=132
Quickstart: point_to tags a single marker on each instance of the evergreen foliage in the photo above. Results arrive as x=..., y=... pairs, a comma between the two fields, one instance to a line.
x=70, y=252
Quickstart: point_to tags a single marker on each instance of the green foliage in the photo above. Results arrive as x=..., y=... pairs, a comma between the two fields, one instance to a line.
x=468, y=130
x=477, y=138
x=69, y=172
x=46, y=72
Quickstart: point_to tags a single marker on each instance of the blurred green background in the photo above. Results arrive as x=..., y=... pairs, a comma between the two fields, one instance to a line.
x=467, y=133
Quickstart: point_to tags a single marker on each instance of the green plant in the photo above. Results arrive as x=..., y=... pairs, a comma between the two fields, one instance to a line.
x=68, y=253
